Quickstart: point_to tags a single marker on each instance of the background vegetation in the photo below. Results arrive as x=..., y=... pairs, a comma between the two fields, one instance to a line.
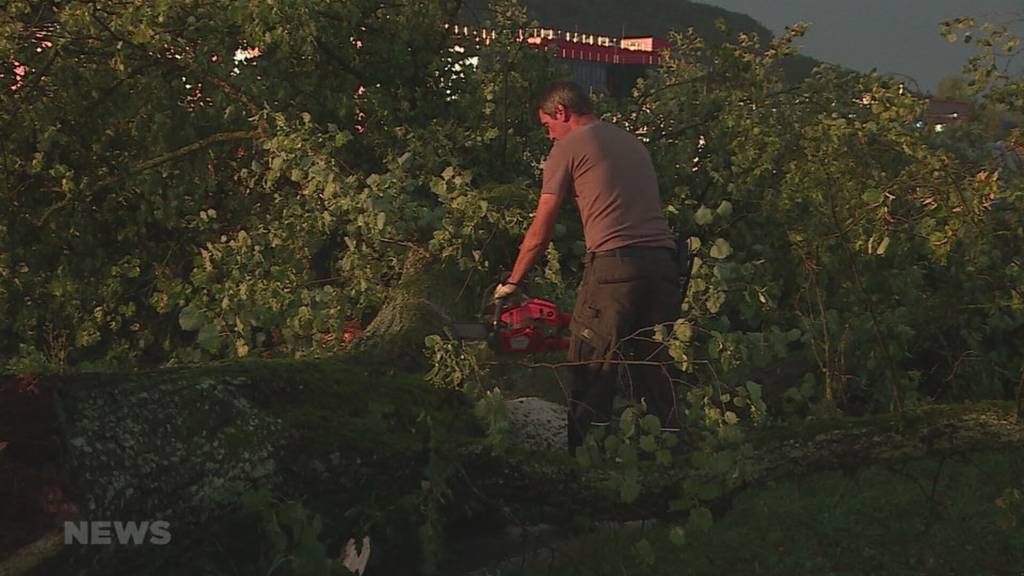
x=190, y=181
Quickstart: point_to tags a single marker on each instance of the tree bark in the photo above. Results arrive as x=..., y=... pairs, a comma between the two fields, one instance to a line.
x=373, y=450
x=546, y=490
x=425, y=300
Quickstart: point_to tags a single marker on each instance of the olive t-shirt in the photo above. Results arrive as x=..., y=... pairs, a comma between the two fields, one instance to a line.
x=609, y=173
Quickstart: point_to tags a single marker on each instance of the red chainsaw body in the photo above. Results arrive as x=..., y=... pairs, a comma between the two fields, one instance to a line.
x=536, y=325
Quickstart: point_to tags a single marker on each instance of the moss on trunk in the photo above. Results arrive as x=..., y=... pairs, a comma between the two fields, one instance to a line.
x=379, y=452
x=428, y=296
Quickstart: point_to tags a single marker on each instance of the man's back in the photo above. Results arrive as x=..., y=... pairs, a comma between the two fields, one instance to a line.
x=609, y=172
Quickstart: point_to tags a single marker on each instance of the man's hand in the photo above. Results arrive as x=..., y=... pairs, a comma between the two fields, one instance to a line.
x=506, y=290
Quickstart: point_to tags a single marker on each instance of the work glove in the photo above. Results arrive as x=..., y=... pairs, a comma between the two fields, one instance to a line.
x=505, y=290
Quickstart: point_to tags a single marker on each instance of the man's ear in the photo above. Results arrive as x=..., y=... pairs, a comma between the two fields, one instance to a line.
x=561, y=114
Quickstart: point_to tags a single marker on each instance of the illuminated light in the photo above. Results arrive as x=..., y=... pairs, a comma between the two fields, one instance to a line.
x=940, y=127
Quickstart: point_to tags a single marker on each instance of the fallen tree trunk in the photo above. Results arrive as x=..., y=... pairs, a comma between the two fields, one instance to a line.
x=379, y=452
x=348, y=440
x=712, y=476
x=428, y=297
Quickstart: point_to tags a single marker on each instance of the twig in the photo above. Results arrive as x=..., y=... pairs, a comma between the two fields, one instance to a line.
x=25, y=559
x=153, y=163
x=890, y=364
x=410, y=245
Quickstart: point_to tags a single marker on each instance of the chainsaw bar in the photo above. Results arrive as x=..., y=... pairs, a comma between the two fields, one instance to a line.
x=469, y=330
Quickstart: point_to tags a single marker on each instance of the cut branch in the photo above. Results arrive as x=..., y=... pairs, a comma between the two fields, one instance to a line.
x=186, y=150
x=154, y=162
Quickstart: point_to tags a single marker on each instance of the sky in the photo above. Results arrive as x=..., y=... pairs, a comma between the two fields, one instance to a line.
x=890, y=36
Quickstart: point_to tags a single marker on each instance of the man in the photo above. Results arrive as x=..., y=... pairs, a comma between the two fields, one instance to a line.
x=631, y=272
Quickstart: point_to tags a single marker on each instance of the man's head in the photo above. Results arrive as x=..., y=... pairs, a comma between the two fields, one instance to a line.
x=563, y=107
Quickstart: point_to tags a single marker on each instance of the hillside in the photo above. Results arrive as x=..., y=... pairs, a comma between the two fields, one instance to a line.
x=637, y=18
x=613, y=18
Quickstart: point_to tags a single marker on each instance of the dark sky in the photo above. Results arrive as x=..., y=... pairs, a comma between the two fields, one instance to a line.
x=899, y=36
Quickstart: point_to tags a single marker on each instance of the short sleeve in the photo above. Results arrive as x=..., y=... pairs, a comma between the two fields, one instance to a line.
x=557, y=173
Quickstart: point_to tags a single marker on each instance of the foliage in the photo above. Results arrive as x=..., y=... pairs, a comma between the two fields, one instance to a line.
x=190, y=181
x=240, y=216
x=925, y=517
x=290, y=537
x=841, y=259
x=827, y=234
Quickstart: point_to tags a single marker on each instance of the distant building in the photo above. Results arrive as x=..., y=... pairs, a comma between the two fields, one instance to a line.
x=944, y=113
x=603, y=64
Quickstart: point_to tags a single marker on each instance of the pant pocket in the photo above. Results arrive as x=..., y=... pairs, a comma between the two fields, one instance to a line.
x=590, y=337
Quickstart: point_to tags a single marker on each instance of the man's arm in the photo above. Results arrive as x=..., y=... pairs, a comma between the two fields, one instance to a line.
x=537, y=236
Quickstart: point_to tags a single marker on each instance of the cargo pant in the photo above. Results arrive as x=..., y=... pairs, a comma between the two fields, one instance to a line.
x=623, y=293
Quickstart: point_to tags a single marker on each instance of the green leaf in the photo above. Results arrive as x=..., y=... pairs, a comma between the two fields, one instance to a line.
x=721, y=249
x=700, y=520
x=755, y=390
x=715, y=301
x=627, y=453
x=682, y=330
x=209, y=337
x=882, y=246
x=680, y=504
x=191, y=319
x=583, y=457
x=629, y=491
x=644, y=552
x=704, y=216
x=612, y=444
x=627, y=422
x=708, y=491
x=677, y=535
x=650, y=424
x=808, y=385
x=648, y=443
x=725, y=209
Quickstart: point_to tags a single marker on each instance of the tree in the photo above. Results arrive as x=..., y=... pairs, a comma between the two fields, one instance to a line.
x=200, y=180
x=953, y=88
x=162, y=207
x=827, y=234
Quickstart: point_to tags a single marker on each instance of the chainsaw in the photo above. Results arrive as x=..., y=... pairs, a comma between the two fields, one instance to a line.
x=532, y=326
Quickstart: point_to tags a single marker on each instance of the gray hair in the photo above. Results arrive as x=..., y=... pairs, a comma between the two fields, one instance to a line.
x=569, y=94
